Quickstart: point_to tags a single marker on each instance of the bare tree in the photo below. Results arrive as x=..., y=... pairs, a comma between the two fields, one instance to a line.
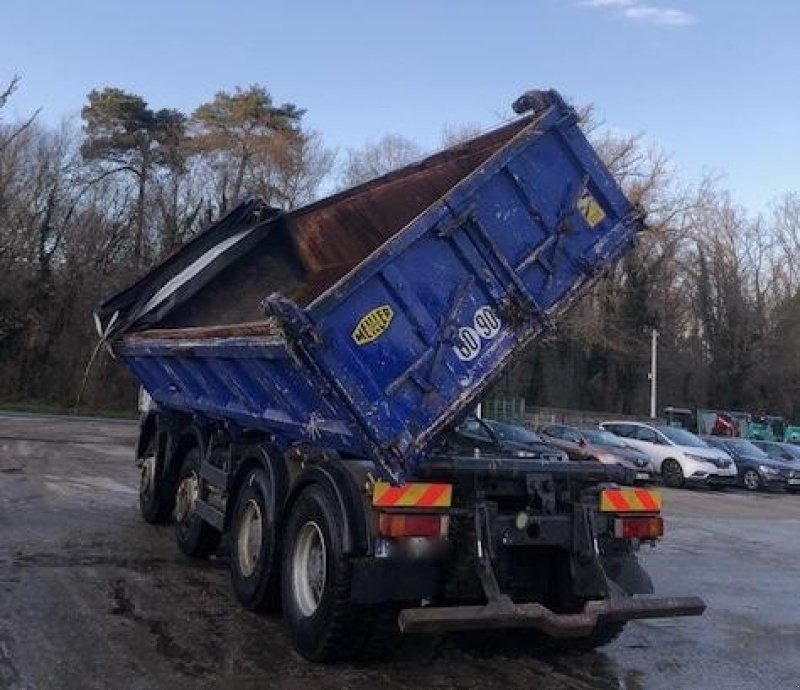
x=378, y=158
x=9, y=133
x=453, y=134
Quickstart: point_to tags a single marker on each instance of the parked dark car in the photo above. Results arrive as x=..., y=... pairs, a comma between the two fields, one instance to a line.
x=757, y=470
x=785, y=452
x=488, y=437
x=598, y=445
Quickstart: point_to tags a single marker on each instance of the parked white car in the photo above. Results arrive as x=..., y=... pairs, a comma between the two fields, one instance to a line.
x=679, y=456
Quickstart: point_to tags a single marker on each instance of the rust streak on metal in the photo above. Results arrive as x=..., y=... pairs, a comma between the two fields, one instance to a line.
x=240, y=330
x=333, y=236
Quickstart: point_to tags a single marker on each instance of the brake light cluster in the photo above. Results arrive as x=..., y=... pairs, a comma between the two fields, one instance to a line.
x=412, y=525
x=639, y=527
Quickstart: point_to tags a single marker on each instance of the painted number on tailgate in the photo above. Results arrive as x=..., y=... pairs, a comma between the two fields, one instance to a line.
x=485, y=326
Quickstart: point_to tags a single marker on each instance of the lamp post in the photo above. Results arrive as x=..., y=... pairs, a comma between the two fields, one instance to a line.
x=653, y=373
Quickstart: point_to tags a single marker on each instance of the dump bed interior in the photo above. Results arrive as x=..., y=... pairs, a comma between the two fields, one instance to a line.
x=299, y=254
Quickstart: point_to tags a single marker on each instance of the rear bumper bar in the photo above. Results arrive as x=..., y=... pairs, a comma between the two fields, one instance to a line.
x=505, y=614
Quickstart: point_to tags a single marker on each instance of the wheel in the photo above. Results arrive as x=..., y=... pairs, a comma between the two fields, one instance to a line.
x=672, y=474
x=253, y=535
x=750, y=480
x=155, y=500
x=315, y=587
x=195, y=538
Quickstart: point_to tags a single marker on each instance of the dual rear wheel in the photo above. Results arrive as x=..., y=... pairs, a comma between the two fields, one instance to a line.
x=309, y=578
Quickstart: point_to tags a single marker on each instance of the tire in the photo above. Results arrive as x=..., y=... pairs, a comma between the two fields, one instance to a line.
x=195, y=538
x=751, y=480
x=254, y=559
x=155, y=499
x=315, y=587
x=672, y=474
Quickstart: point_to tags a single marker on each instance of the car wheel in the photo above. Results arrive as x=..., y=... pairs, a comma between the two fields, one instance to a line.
x=672, y=474
x=750, y=480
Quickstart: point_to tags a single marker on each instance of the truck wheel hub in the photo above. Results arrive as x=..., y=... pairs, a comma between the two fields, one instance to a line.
x=248, y=542
x=186, y=497
x=148, y=472
x=309, y=568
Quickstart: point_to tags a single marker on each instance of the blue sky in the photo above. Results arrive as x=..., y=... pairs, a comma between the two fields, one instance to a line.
x=715, y=82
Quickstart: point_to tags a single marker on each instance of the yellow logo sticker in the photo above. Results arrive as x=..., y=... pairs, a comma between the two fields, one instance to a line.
x=590, y=209
x=373, y=324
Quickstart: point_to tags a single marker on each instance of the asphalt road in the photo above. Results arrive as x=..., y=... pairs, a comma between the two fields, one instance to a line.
x=91, y=596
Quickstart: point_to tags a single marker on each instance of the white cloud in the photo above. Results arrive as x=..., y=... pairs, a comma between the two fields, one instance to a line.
x=606, y=3
x=640, y=12
x=658, y=15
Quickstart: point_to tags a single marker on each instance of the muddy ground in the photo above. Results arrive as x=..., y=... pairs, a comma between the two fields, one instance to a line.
x=91, y=596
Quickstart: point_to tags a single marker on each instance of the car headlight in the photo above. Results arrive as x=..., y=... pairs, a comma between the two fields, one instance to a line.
x=525, y=454
x=768, y=470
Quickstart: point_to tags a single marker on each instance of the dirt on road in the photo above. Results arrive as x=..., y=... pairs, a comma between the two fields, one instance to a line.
x=91, y=596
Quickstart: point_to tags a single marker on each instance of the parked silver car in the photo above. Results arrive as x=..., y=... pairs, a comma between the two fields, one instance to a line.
x=679, y=456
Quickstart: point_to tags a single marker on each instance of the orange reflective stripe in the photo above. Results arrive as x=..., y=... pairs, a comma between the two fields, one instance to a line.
x=617, y=499
x=433, y=493
x=416, y=495
x=649, y=501
x=629, y=500
x=387, y=495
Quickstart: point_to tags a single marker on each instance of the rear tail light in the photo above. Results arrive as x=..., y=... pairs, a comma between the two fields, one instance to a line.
x=639, y=527
x=405, y=525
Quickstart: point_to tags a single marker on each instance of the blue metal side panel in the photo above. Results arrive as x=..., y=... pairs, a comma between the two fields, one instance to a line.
x=240, y=380
x=468, y=284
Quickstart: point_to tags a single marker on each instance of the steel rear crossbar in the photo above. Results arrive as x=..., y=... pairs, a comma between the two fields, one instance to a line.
x=503, y=613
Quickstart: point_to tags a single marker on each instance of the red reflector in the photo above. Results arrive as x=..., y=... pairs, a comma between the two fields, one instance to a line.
x=399, y=525
x=639, y=528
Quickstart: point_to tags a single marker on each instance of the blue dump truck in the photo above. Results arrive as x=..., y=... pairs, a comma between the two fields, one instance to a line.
x=303, y=370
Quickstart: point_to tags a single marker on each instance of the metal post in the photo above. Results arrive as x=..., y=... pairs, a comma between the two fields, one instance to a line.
x=653, y=374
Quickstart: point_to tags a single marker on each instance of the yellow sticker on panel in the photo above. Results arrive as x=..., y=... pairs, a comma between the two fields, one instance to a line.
x=590, y=209
x=373, y=324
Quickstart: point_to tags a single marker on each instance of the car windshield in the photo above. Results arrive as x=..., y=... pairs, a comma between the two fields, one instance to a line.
x=744, y=447
x=511, y=432
x=792, y=450
x=682, y=437
x=604, y=438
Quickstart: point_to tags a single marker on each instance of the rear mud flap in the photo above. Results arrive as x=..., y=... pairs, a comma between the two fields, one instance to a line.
x=503, y=613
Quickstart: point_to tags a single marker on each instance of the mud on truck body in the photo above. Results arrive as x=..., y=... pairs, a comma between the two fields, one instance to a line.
x=312, y=434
